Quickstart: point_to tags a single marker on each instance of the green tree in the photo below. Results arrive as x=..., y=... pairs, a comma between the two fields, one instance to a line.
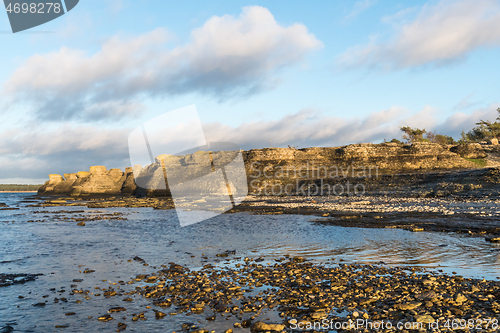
x=484, y=130
x=412, y=135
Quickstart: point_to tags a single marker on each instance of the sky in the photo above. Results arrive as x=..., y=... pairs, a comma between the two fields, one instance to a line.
x=279, y=73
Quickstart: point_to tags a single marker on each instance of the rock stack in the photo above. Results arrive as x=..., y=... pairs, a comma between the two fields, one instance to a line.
x=97, y=181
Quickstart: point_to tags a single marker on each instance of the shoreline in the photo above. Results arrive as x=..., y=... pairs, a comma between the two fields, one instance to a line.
x=18, y=191
x=473, y=216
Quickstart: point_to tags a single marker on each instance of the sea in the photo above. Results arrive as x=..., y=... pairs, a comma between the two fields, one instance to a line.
x=48, y=241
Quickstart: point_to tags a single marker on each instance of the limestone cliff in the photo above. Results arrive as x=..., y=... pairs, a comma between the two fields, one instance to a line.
x=98, y=181
x=272, y=166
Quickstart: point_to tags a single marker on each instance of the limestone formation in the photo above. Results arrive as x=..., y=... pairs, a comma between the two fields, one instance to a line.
x=280, y=166
x=99, y=182
x=54, y=178
x=50, y=185
x=116, y=174
x=129, y=187
x=82, y=174
x=98, y=169
x=70, y=176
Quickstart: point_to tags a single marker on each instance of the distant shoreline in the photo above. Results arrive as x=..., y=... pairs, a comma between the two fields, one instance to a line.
x=18, y=191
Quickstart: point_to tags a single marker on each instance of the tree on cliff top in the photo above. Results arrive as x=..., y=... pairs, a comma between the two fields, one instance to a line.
x=412, y=135
x=440, y=138
x=485, y=130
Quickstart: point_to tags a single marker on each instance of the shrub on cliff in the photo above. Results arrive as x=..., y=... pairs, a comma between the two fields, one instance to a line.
x=484, y=130
x=439, y=138
x=412, y=135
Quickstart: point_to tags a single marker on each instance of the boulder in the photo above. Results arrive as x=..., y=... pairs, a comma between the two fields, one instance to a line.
x=493, y=141
x=260, y=326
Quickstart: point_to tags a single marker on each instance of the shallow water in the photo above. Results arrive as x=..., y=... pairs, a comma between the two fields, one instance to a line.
x=60, y=249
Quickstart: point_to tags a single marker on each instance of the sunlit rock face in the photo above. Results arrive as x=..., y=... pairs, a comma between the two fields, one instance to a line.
x=290, y=168
x=266, y=167
x=99, y=182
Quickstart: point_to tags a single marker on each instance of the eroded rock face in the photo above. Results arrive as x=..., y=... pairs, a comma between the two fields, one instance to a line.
x=98, y=169
x=280, y=167
x=65, y=186
x=151, y=181
x=129, y=187
x=116, y=174
x=82, y=174
x=273, y=166
x=70, y=176
x=50, y=185
x=54, y=178
x=98, y=182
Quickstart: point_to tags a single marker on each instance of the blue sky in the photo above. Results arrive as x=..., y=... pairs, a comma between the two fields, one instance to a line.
x=323, y=73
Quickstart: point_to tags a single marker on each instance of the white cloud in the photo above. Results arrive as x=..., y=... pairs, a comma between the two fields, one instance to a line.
x=465, y=103
x=33, y=152
x=440, y=34
x=359, y=7
x=225, y=57
x=310, y=128
x=461, y=121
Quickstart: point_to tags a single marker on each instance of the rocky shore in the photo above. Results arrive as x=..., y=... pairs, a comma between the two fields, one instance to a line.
x=292, y=294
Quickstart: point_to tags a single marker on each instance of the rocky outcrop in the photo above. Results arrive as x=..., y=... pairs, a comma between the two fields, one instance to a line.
x=97, y=181
x=129, y=187
x=57, y=184
x=269, y=167
x=281, y=168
